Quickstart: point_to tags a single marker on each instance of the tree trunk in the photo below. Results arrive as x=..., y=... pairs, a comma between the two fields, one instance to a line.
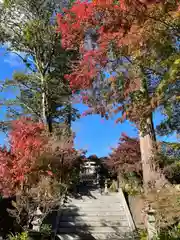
x=46, y=117
x=147, y=146
x=49, y=124
x=68, y=119
x=152, y=176
x=43, y=99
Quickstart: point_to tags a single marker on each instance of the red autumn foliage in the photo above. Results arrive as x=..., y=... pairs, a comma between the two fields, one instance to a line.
x=126, y=157
x=26, y=139
x=121, y=25
x=33, y=154
x=114, y=23
x=72, y=23
x=26, y=143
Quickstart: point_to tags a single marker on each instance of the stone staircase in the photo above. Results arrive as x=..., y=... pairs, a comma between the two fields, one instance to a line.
x=94, y=216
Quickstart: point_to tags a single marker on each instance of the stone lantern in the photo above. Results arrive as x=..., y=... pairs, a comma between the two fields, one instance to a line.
x=37, y=220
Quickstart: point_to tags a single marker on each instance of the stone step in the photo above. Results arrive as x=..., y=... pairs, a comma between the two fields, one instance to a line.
x=89, y=223
x=95, y=199
x=93, y=195
x=92, y=218
x=95, y=217
x=93, y=229
x=99, y=202
x=98, y=193
x=90, y=208
x=92, y=213
x=93, y=205
x=96, y=236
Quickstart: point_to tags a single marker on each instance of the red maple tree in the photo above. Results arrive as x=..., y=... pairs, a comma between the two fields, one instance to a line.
x=26, y=144
x=33, y=154
x=126, y=157
x=115, y=22
x=119, y=26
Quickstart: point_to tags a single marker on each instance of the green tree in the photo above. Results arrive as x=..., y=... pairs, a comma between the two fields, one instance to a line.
x=30, y=30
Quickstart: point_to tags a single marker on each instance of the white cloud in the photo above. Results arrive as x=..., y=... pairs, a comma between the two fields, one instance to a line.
x=7, y=45
x=13, y=60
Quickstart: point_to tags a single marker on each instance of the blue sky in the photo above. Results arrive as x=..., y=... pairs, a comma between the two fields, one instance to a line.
x=95, y=135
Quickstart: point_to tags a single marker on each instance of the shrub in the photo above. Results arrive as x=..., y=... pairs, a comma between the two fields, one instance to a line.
x=39, y=168
x=20, y=236
x=131, y=184
x=166, y=234
x=166, y=203
x=170, y=234
x=172, y=172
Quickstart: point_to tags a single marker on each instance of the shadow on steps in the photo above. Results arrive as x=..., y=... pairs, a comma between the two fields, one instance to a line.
x=69, y=227
x=74, y=224
x=84, y=189
x=73, y=227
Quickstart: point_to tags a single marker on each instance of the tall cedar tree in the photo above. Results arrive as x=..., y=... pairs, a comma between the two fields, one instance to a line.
x=30, y=30
x=137, y=40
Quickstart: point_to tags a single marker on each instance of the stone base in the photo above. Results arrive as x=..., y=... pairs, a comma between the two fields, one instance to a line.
x=136, y=205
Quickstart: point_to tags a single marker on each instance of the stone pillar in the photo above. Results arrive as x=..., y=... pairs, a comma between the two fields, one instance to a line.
x=106, y=187
x=97, y=179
